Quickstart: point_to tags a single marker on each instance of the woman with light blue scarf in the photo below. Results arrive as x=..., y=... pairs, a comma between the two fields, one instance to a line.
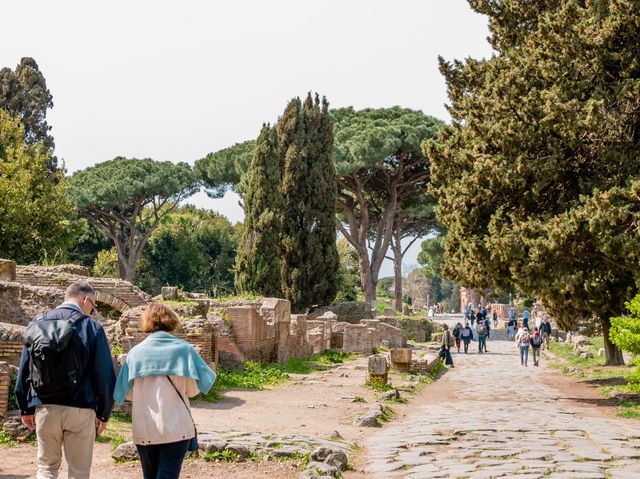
x=158, y=376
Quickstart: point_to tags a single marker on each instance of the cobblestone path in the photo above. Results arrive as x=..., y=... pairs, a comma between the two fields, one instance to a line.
x=500, y=422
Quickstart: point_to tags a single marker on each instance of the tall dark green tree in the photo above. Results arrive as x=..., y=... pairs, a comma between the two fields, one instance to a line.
x=24, y=94
x=34, y=213
x=538, y=176
x=259, y=258
x=309, y=254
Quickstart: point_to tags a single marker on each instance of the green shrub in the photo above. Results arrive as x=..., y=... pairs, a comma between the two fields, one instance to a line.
x=625, y=333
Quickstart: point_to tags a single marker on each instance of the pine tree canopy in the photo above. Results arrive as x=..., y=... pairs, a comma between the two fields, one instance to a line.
x=226, y=169
x=537, y=178
x=126, y=198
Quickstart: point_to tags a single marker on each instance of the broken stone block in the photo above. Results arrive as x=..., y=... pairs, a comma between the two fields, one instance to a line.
x=125, y=452
x=378, y=368
x=601, y=352
x=391, y=395
x=318, y=469
x=169, y=292
x=7, y=270
x=240, y=449
x=400, y=359
x=333, y=456
x=586, y=355
x=366, y=420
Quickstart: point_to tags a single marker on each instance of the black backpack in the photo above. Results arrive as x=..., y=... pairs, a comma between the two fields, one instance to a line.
x=53, y=364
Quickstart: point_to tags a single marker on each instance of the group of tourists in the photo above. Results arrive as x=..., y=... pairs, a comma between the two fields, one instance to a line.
x=480, y=314
x=537, y=340
x=523, y=339
x=464, y=335
x=66, y=386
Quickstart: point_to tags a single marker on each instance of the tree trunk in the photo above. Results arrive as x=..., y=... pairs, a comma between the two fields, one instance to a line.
x=396, y=247
x=613, y=353
x=366, y=279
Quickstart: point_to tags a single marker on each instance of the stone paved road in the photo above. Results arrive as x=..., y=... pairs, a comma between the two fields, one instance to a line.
x=495, y=420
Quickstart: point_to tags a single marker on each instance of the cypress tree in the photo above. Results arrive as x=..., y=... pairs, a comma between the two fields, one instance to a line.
x=308, y=237
x=258, y=262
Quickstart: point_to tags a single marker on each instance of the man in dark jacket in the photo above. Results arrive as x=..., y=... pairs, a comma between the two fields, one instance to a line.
x=75, y=419
x=545, y=329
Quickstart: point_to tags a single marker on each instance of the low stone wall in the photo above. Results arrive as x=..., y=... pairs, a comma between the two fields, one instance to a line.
x=415, y=329
x=200, y=333
x=19, y=303
x=360, y=338
x=348, y=311
x=117, y=293
x=423, y=366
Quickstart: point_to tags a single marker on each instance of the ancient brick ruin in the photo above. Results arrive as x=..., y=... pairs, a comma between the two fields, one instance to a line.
x=226, y=333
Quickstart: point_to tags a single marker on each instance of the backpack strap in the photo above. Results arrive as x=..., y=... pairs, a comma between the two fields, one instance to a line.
x=76, y=317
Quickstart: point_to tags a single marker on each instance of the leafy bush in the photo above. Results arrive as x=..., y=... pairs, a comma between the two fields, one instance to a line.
x=625, y=333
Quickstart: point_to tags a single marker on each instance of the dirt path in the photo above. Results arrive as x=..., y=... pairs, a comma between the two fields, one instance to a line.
x=490, y=417
x=316, y=404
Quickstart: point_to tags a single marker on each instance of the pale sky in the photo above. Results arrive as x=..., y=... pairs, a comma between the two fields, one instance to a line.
x=176, y=80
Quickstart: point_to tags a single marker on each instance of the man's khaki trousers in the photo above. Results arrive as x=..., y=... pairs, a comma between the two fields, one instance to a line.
x=68, y=426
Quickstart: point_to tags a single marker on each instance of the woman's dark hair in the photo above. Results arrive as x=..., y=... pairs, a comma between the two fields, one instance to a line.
x=159, y=317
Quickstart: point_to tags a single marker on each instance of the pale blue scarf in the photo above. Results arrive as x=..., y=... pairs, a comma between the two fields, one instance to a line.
x=162, y=354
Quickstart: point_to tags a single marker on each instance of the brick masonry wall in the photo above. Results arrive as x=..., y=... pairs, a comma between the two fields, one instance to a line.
x=10, y=352
x=423, y=366
x=5, y=378
x=203, y=343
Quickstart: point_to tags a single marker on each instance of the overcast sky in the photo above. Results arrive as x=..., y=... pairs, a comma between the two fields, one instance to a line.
x=176, y=80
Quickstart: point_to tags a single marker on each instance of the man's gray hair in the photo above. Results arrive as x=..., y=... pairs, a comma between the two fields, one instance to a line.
x=78, y=290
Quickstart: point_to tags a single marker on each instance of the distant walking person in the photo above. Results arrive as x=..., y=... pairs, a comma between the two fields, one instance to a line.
x=536, y=342
x=472, y=316
x=445, y=348
x=158, y=376
x=482, y=337
x=522, y=342
x=65, y=383
x=512, y=329
x=495, y=319
x=546, y=331
x=467, y=337
x=457, y=331
x=525, y=318
x=431, y=313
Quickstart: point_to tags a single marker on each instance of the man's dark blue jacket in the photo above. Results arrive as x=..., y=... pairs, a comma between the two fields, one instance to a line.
x=96, y=369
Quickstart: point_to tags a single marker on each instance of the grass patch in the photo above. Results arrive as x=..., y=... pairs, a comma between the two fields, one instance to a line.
x=257, y=375
x=117, y=431
x=359, y=399
x=377, y=385
x=221, y=456
x=213, y=396
x=565, y=351
x=6, y=440
x=629, y=409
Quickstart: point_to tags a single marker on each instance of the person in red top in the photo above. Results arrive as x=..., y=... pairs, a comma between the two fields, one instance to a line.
x=536, y=342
